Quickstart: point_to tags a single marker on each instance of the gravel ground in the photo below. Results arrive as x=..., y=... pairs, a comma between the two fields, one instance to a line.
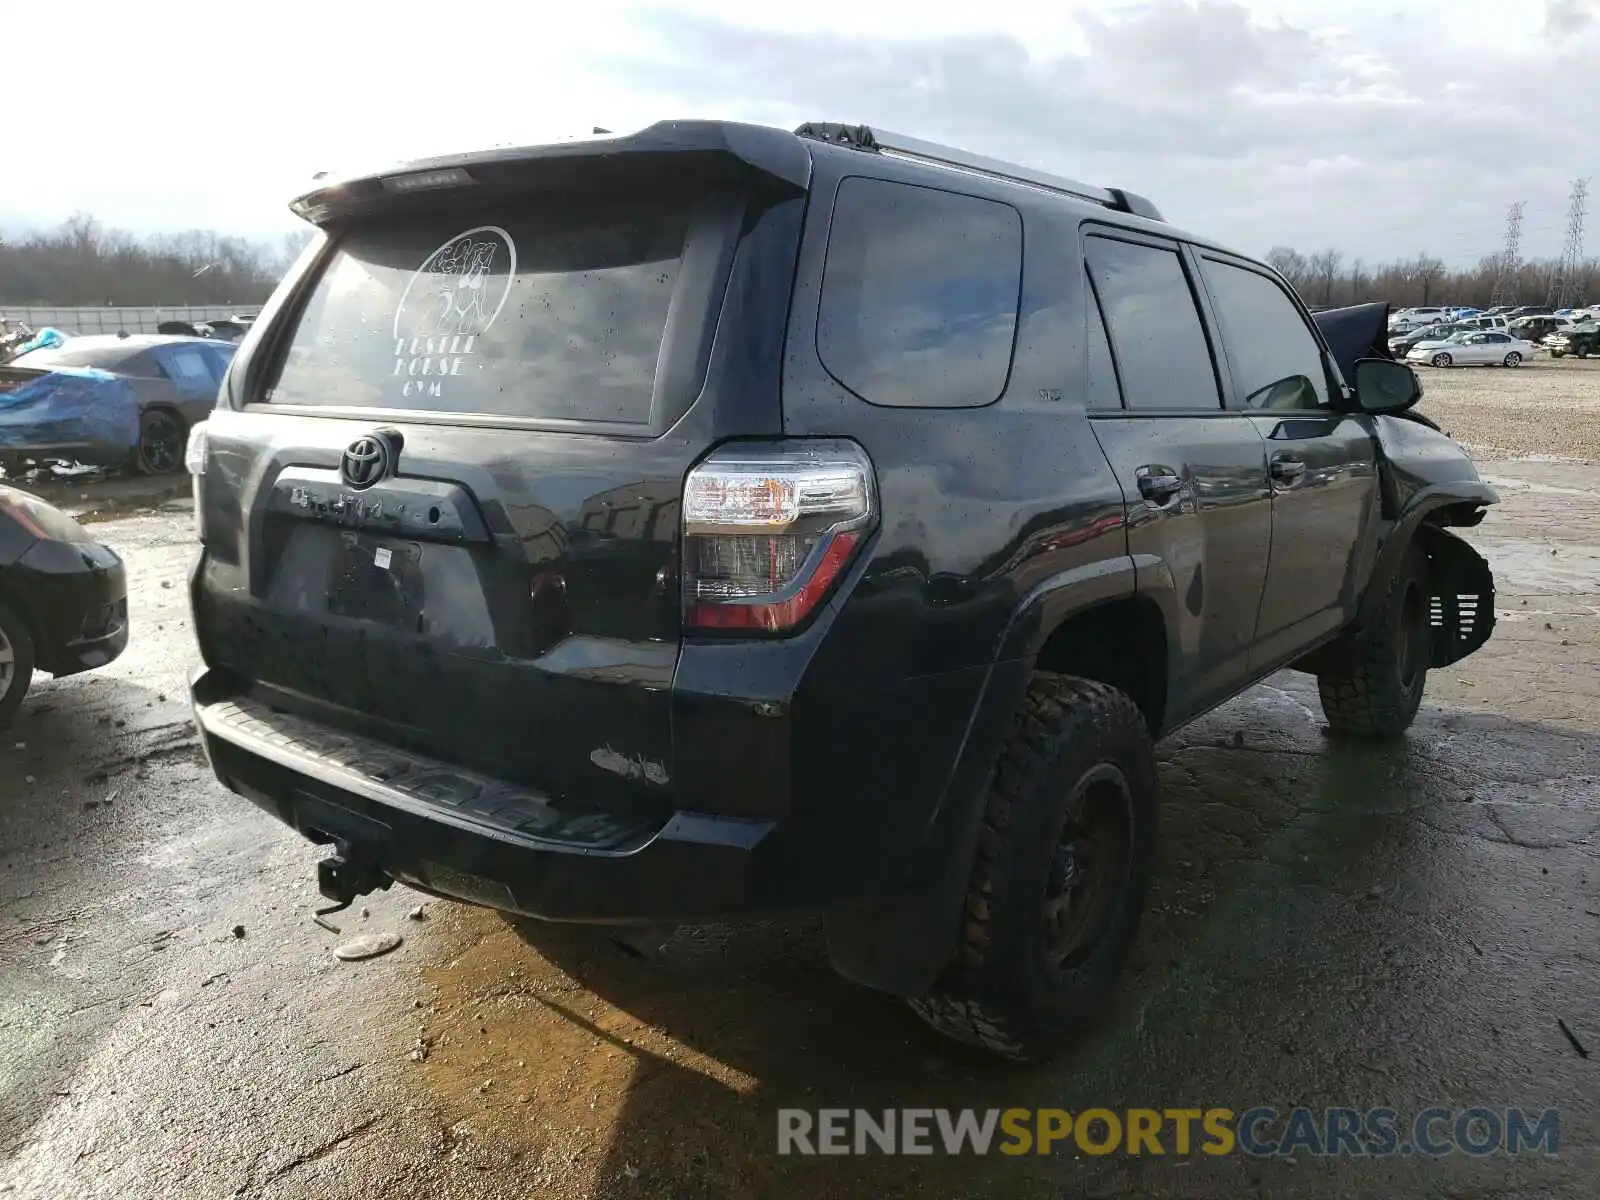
x=1549, y=408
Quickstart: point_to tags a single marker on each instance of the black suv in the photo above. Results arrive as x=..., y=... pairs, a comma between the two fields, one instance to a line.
x=720, y=520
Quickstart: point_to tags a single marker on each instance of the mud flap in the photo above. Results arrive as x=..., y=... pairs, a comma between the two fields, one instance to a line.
x=1460, y=598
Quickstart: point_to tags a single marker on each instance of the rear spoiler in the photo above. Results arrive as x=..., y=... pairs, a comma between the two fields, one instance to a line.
x=710, y=147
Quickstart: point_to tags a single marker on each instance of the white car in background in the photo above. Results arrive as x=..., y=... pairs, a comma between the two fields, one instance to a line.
x=1473, y=349
x=1411, y=318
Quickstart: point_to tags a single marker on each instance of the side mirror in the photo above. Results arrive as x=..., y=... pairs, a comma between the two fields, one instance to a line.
x=1385, y=386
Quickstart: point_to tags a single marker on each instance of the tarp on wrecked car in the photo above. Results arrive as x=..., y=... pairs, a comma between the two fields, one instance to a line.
x=70, y=407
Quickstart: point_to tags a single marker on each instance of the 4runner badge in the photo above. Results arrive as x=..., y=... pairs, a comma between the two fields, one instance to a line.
x=452, y=300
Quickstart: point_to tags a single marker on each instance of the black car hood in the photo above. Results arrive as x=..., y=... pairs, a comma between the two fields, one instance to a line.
x=1361, y=331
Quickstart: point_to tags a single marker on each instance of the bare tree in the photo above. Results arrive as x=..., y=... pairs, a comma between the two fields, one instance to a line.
x=1323, y=268
x=1356, y=283
x=1427, y=271
x=82, y=263
x=1289, y=263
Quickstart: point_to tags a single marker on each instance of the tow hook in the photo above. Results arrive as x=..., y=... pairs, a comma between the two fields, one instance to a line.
x=344, y=876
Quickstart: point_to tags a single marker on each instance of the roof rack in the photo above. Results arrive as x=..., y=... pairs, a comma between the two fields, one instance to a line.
x=881, y=141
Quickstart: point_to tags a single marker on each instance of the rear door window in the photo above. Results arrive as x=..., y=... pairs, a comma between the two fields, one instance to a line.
x=547, y=311
x=188, y=368
x=1162, y=355
x=920, y=295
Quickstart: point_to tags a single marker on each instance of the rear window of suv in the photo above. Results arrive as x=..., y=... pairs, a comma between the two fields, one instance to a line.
x=543, y=312
x=920, y=295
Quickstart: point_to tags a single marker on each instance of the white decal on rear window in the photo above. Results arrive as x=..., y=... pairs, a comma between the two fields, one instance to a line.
x=451, y=301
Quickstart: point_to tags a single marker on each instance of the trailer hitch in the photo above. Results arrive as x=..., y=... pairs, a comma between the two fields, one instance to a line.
x=342, y=877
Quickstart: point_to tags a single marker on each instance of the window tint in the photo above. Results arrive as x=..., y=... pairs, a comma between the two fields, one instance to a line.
x=1103, y=391
x=1160, y=345
x=1498, y=337
x=542, y=311
x=1276, y=360
x=187, y=365
x=143, y=365
x=919, y=295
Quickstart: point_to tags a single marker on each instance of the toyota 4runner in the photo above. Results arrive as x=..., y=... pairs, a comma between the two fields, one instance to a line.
x=719, y=520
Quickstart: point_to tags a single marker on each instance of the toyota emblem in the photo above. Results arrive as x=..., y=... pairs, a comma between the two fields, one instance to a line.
x=365, y=461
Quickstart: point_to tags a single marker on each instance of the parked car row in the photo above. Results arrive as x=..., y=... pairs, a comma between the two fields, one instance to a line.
x=1410, y=320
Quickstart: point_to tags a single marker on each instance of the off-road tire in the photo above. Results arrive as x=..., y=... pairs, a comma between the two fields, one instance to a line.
x=14, y=636
x=1003, y=993
x=1376, y=691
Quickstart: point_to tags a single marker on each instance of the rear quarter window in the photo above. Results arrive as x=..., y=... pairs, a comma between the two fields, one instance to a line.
x=919, y=295
x=541, y=312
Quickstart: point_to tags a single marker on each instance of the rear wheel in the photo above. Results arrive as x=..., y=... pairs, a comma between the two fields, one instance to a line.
x=1513, y=359
x=1378, y=688
x=1583, y=352
x=161, y=442
x=1059, y=879
x=16, y=662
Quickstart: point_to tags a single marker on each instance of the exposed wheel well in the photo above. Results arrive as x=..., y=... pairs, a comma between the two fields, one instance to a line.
x=1122, y=643
x=171, y=410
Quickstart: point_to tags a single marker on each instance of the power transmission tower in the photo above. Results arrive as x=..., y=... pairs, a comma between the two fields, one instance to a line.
x=1505, y=283
x=1564, y=279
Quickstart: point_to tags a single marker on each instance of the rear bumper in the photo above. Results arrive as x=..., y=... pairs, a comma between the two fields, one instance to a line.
x=462, y=835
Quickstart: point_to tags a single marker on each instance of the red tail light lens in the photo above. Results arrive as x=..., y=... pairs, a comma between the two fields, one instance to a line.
x=769, y=527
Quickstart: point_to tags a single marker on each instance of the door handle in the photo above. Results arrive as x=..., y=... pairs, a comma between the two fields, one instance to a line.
x=1286, y=469
x=1159, y=485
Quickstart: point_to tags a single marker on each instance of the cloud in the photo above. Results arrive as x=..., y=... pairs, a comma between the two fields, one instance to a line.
x=1381, y=127
x=1380, y=139
x=1563, y=18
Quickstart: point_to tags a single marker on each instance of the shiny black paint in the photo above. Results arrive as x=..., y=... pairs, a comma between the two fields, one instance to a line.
x=539, y=634
x=841, y=767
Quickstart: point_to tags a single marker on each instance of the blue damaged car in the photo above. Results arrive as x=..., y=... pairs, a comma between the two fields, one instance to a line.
x=114, y=400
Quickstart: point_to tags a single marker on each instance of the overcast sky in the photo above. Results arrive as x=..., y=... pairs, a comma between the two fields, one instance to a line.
x=1382, y=127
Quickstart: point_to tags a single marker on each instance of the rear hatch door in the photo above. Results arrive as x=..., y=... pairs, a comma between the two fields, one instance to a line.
x=441, y=506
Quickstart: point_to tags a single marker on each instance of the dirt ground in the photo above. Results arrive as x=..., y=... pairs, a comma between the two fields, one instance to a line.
x=1408, y=926
x=1549, y=407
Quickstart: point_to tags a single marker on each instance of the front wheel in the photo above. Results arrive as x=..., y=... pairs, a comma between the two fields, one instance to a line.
x=1376, y=691
x=1442, y=360
x=1558, y=354
x=16, y=663
x=161, y=443
x=1513, y=359
x=1059, y=878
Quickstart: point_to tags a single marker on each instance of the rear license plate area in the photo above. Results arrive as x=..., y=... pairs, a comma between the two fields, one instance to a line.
x=379, y=579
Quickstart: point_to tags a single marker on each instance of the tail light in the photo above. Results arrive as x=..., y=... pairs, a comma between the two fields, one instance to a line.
x=769, y=527
x=196, y=456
